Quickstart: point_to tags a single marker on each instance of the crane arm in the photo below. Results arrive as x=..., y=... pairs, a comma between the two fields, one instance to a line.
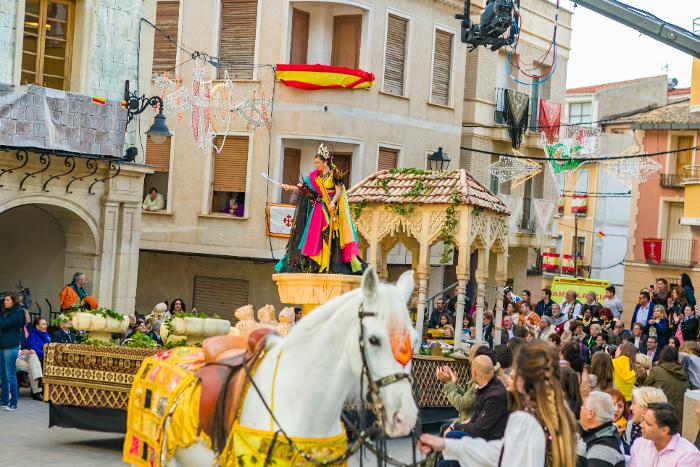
x=646, y=23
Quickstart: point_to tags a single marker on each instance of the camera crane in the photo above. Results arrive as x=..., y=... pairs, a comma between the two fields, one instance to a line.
x=498, y=24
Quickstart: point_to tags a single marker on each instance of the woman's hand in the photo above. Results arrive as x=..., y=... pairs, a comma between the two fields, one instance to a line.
x=288, y=187
x=332, y=205
x=429, y=443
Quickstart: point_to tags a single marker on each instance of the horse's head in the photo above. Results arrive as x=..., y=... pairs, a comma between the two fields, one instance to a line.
x=387, y=336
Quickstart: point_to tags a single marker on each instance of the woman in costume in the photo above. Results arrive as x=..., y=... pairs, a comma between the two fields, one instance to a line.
x=323, y=237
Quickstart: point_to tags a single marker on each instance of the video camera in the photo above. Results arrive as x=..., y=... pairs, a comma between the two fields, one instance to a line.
x=497, y=19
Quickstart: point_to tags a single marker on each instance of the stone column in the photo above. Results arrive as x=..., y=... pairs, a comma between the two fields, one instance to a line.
x=104, y=277
x=423, y=275
x=462, y=278
x=127, y=258
x=481, y=277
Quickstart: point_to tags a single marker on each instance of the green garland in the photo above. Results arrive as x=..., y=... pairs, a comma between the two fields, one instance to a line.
x=357, y=208
x=403, y=210
x=449, y=230
x=140, y=340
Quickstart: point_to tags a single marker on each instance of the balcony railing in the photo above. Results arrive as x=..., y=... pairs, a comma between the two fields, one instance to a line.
x=677, y=251
x=691, y=173
x=500, y=106
x=671, y=181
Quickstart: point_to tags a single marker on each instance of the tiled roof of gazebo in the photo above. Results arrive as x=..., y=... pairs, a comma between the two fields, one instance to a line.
x=424, y=187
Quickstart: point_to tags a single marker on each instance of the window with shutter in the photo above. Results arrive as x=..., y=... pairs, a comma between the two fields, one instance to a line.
x=219, y=295
x=237, y=38
x=387, y=158
x=290, y=171
x=395, y=58
x=442, y=68
x=343, y=161
x=230, y=172
x=158, y=154
x=164, y=50
x=300, y=37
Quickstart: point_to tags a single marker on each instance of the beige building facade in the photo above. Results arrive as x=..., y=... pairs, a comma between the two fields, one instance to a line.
x=216, y=261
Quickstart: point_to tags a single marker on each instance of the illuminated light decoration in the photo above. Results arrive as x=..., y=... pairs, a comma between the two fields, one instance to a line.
x=561, y=157
x=631, y=171
x=550, y=261
x=313, y=77
x=255, y=111
x=514, y=170
x=100, y=100
x=586, y=138
x=221, y=104
x=202, y=131
x=175, y=97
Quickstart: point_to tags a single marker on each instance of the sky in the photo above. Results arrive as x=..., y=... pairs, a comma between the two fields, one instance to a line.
x=604, y=51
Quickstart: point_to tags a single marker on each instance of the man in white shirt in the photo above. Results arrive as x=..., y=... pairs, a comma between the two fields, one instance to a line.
x=154, y=201
x=571, y=307
x=612, y=302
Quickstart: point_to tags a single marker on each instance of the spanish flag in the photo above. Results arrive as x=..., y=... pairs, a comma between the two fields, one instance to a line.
x=601, y=233
x=99, y=100
x=312, y=77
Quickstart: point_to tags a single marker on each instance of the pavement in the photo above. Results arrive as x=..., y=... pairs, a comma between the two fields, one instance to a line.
x=29, y=441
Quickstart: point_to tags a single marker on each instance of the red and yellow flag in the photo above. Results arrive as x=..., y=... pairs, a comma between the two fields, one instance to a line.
x=98, y=100
x=312, y=77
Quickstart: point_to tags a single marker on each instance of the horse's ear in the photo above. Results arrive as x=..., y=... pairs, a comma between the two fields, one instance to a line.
x=405, y=285
x=370, y=283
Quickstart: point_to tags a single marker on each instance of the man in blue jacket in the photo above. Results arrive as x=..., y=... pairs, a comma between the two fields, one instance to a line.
x=11, y=322
x=643, y=310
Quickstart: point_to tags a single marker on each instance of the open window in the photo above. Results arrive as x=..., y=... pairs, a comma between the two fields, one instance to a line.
x=229, y=180
x=327, y=33
x=158, y=155
x=47, y=43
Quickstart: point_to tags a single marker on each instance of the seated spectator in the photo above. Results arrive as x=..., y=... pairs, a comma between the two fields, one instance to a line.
x=508, y=331
x=153, y=201
x=642, y=367
x=38, y=337
x=588, y=320
x=670, y=377
x=607, y=321
x=555, y=340
x=544, y=306
x=490, y=411
x=64, y=334
x=619, y=334
x=622, y=412
x=461, y=398
x=439, y=310
x=674, y=342
x=689, y=358
x=600, y=445
x=504, y=357
x=638, y=338
x=546, y=328
x=599, y=377
x=689, y=325
x=651, y=349
x=590, y=341
x=662, y=293
x=558, y=319
x=592, y=304
x=641, y=398
x=449, y=331
x=624, y=375
x=488, y=328
x=28, y=362
x=234, y=206
x=661, y=443
x=155, y=332
x=531, y=320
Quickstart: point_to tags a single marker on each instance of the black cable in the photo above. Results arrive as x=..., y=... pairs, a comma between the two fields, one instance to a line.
x=269, y=158
x=579, y=159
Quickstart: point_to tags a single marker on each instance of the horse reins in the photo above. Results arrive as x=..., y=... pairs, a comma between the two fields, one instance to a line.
x=364, y=436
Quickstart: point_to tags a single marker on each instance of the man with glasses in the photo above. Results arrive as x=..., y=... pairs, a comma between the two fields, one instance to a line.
x=619, y=334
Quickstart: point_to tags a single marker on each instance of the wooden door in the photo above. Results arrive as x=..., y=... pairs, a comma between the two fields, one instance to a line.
x=347, y=35
x=300, y=37
x=686, y=157
x=344, y=163
x=291, y=168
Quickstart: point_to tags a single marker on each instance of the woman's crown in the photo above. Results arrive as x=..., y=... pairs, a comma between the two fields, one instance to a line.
x=323, y=151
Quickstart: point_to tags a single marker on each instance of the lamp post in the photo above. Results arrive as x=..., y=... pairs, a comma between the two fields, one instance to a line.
x=135, y=104
x=438, y=160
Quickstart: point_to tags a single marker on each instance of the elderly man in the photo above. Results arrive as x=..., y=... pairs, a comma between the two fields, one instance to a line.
x=558, y=319
x=591, y=304
x=571, y=307
x=509, y=329
x=546, y=329
x=599, y=444
x=620, y=334
x=661, y=443
x=490, y=411
x=154, y=201
x=74, y=294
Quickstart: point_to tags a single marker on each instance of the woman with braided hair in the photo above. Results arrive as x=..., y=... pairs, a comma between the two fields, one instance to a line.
x=542, y=430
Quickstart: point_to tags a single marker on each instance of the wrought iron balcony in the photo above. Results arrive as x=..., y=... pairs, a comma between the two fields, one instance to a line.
x=671, y=181
x=677, y=251
x=691, y=173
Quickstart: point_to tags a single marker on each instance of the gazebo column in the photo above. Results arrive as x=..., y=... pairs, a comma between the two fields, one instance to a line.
x=482, y=274
x=423, y=273
x=383, y=266
x=462, y=278
x=501, y=277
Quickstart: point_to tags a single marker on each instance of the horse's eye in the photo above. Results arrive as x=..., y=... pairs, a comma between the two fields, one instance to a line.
x=374, y=340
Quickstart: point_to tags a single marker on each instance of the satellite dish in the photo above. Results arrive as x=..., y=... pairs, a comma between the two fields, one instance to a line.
x=672, y=82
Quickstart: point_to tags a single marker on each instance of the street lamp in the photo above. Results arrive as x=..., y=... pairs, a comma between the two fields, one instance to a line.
x=135, y=105
x=438, y=160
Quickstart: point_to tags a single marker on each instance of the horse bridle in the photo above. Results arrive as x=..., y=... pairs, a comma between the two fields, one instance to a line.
x=374, y=396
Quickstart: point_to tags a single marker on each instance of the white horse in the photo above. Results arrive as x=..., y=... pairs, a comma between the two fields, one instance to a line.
x=321, y=364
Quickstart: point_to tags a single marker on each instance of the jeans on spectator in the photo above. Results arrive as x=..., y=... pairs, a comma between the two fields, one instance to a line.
x=454, y=435
x=8, y=376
